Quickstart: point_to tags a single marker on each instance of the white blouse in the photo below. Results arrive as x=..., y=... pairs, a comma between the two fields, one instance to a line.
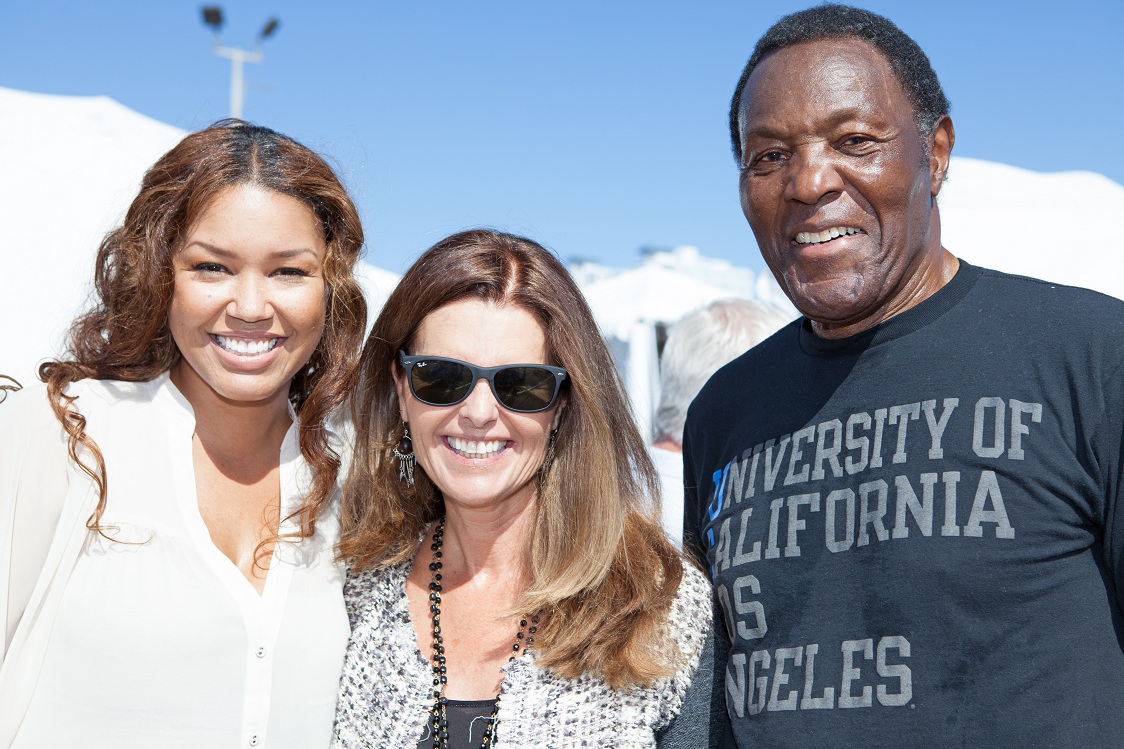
x=155, y=639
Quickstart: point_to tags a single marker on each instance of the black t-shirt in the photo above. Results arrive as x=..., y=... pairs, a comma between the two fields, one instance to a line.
x=915, y=532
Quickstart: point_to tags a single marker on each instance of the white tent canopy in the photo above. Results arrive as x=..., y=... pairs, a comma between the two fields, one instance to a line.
x=647, y=293
x=1060, y=227
x=71, y=167
x=377, y=284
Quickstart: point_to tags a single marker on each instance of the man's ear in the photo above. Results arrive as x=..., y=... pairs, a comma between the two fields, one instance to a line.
x=941, y=141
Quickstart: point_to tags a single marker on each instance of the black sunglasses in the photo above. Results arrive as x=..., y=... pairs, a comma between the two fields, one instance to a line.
x=526, y=388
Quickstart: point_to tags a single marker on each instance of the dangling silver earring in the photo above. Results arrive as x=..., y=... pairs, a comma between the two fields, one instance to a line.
x=404, y=451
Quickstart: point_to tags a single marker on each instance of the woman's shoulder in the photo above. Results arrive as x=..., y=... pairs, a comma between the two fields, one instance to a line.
x=596, y=713
x=27, y=421
x=694, y=602
x=691, y=618
x=23, y=400
x=129, y=416
x=374, y=592
x=376, y=580
x=114, y=392
x=688, y=623
x=32, y=404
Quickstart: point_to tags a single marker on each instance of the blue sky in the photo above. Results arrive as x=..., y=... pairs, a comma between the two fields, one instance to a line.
x=594, y=127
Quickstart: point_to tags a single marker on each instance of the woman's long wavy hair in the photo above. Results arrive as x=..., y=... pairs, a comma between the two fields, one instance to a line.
x=126, y=337
x=602, y=575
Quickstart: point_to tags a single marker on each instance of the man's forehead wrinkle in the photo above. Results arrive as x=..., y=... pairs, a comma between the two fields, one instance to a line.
x=832, y=71
x=843, y=73
x=839, y=74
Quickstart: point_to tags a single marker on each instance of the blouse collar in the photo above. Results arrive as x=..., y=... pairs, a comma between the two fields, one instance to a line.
x=179, y=405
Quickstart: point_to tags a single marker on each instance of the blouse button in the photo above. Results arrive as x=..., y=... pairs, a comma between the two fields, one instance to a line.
x=254, y=740
x=260, y=654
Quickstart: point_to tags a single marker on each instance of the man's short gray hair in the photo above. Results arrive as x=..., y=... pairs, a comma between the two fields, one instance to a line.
x=700, y=343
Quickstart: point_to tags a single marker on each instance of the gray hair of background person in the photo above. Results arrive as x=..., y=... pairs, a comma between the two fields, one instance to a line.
x=700, y=343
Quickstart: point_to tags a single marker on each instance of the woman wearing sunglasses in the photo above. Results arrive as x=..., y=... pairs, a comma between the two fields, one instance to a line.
x=510, y=587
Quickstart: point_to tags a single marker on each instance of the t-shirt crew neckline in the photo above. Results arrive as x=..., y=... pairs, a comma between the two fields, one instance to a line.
x=913, y=319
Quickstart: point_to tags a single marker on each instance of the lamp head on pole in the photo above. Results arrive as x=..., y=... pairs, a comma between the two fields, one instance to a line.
x=212, y=16
x=269, y=29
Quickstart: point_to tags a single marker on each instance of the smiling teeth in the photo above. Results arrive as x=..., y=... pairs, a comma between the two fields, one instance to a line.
x=247, y=348
x=472, y=449
x=817, y=237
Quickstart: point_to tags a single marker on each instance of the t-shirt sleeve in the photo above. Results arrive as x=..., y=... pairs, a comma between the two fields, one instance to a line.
x=692, y=534
x=33, y=486
x=1109, y=449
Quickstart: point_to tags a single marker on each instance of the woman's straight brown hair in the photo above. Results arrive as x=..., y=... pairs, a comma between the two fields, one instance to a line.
x=602, y=573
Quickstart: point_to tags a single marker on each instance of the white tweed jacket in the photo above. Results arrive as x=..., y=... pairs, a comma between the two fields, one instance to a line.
x=385, y=697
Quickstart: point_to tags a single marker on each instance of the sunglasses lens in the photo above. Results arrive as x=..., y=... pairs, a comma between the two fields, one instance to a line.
x=440, y=383
x=525, y=388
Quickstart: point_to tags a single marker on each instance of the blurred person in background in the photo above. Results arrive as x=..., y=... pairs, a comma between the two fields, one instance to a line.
x=510, y=585
x=697, y=345
x=168, y=496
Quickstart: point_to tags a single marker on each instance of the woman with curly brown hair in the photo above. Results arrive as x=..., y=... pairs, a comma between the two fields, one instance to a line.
x=510, y=586
x=168, y=500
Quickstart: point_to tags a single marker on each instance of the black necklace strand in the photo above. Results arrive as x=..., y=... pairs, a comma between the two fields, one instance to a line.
x=438, y=720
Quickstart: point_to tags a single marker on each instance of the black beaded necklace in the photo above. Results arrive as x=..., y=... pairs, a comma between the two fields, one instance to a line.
x=438, y=721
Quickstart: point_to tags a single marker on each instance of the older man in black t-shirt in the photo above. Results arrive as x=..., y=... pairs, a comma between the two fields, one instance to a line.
x=909, y=500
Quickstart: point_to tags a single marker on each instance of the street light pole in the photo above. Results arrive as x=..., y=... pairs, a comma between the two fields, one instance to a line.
x=212, y=16
x=238, y=58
